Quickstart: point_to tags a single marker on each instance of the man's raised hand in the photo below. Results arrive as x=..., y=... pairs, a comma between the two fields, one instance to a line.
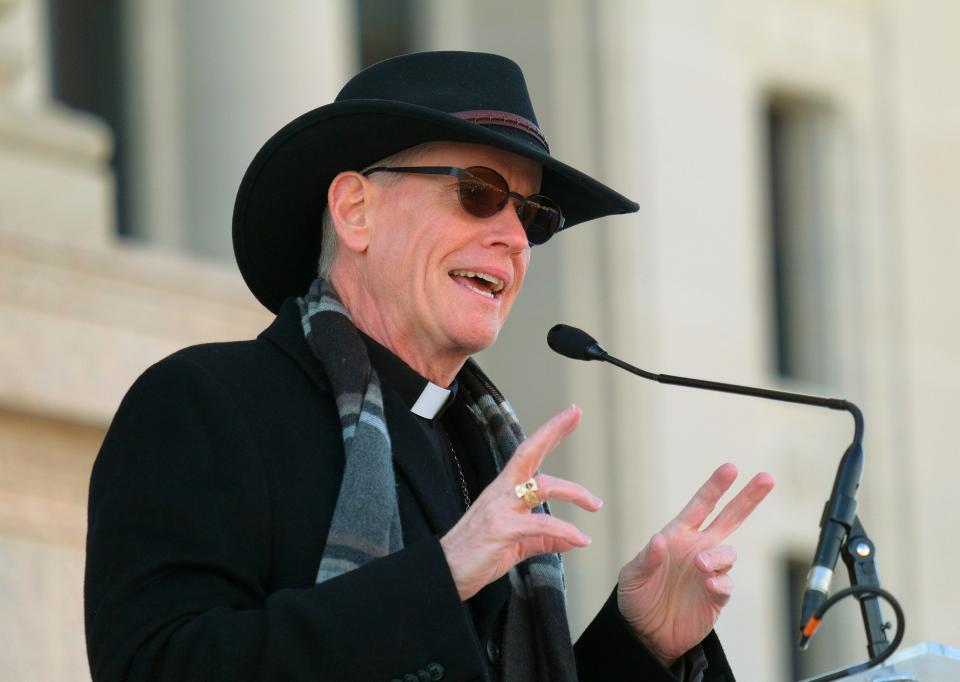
x=671, y=593
x=498, y=531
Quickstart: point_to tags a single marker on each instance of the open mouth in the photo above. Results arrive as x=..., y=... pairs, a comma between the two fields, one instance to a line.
x=480, y=282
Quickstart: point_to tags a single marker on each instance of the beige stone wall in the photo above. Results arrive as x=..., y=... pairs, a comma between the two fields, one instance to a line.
x=659, y=98
x=925, y=110
x=44, y=470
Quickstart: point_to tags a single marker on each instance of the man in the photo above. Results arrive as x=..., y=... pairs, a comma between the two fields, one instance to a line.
x=348, y=497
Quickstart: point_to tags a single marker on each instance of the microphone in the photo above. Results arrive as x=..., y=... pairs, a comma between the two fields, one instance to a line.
x=840, y=510
x=574, y=343
x=838, y=516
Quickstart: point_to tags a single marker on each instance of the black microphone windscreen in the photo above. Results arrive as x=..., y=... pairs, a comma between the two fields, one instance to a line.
x=570, y=341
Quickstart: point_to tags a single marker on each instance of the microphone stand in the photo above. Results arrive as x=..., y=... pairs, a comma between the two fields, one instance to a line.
x=841, y=533
x=858, y=551
x=859, y=556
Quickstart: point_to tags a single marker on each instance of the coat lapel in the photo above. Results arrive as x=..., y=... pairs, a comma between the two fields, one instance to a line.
x=286, y=332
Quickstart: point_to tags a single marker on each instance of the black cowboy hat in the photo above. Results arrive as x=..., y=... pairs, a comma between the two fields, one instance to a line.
x=386, y=108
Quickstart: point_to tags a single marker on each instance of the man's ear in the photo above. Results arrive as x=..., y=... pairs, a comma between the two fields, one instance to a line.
x=348, y=202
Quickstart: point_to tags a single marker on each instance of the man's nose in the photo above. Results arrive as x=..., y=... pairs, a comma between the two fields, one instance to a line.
x=506, y=229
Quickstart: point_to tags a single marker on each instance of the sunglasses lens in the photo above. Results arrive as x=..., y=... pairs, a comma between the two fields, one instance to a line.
x=541, y=218
x=483, y=191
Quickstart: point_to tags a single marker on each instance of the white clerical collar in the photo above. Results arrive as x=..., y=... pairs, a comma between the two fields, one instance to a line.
x=431, y=400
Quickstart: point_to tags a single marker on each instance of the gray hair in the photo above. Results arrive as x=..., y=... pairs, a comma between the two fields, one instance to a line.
x=328, y=233
x=328, y=245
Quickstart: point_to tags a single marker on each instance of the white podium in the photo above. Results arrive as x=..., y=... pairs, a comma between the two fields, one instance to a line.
x=926, y=662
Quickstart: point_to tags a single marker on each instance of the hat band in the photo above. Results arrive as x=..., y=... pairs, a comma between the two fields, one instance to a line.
x=504, y=118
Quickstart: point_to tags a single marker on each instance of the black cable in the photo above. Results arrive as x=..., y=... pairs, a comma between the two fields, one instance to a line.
x=876, y=660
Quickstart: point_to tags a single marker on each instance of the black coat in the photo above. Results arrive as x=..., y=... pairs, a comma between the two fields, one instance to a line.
x=210, y=502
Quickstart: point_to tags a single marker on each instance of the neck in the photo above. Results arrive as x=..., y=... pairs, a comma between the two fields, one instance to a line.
x=373, y=320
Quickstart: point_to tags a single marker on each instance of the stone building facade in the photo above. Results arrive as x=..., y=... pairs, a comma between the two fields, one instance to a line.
x=795, y=164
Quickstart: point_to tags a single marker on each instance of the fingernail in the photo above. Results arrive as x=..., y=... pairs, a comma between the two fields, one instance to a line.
x=597, y=502
x=586, y=538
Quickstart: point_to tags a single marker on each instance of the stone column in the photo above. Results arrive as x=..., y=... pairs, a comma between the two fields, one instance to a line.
x=209, y=83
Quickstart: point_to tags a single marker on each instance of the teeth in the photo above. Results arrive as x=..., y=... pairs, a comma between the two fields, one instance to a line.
x=482, y=292
x=497, y=284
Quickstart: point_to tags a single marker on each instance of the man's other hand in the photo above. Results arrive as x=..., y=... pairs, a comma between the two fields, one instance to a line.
x=671, y=593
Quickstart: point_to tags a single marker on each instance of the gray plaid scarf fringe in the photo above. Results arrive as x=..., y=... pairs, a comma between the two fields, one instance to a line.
x=536, y=640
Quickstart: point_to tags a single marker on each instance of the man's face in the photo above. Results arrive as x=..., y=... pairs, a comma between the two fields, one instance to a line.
x=423, y=245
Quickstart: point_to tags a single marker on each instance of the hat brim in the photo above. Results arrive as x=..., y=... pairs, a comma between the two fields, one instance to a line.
x=280, y=203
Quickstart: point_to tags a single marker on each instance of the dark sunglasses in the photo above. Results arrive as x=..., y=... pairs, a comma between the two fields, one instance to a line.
x=484, y=192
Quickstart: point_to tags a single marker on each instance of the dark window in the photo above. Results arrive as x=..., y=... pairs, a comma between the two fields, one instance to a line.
x=86, y=70
x=800, y=213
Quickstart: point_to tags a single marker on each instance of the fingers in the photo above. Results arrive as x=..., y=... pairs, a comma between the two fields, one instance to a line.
x=553, y=488
x=716, y=560
x=720, y=588
x=652, y=556
x=498, y=530
x=544, y=528
x=531, y=453
x=493, y=536
x=705, y=499
x=741, y=506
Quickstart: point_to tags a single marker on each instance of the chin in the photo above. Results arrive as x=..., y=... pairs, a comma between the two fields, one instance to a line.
x=477, y=338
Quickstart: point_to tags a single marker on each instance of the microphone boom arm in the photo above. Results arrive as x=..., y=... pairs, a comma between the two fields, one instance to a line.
x=841, y=533
x=783, y=396
x=840, y=509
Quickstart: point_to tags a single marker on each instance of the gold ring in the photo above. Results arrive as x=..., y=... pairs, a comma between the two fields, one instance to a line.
x=527, y=491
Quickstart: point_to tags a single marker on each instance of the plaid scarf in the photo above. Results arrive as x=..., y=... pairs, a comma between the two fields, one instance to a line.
x=536, y=640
